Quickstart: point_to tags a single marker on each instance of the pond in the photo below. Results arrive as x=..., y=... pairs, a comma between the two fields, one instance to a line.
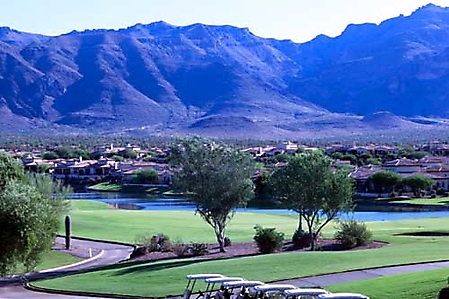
x=143, y=202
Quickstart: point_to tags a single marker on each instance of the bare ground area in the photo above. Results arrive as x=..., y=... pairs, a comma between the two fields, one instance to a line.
x=250, y=249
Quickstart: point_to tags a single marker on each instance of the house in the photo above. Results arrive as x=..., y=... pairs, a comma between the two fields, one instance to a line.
x=437, y=148
x=32, y=163
x=83, y=169
x=126, y=171
x=403, y=166
x=336, y=148
x=362, y=176
x=384, y=151
x=434, y=161
x=360, y=150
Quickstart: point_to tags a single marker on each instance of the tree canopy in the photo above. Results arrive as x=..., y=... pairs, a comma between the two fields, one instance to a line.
x=30, y=210
x=309, y=186
x=216, y=177
x=417, y=183
x=385, y=180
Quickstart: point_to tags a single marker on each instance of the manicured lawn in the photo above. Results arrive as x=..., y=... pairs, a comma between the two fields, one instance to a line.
x=56, y=259
x=425, y=201
x=420, y=285
x=97, y=220
x=106, y=187
x=168, y=277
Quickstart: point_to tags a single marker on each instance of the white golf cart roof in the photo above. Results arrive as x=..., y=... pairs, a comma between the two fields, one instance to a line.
x=343, y=296
x=203, y=276
x=273, y=287
x=243, y=283
x=223, y=279
x=305, y=291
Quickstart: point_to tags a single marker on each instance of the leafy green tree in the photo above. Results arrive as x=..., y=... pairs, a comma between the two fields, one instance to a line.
x=10, y=169
x=65, y=152
x=30, y=209
x=81, y=153
x=417, y=155
x=217, y=179
x=350, y=157
x=146, y=176
x=50, y=156
x=373, y=161
x=417, y=183
x=385, y=181
x=130, y=154
x=309, y=186
x=282, y=157
x=117, y=158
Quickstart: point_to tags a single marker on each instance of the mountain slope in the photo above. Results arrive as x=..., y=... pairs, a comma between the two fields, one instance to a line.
x=398, y=66
x=223, y=80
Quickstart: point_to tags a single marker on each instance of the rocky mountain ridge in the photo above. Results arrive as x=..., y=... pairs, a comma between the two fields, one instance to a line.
x=225, y=81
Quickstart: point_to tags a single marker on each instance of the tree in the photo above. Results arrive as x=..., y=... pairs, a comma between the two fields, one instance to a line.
x=417, y=183
x=385, y=180
x=217, y=179
x=65, y=152
x=309, y=186
x=30, y=209
x=130, y=154
x=146, y=176
x=10, y=169
x=50, y=156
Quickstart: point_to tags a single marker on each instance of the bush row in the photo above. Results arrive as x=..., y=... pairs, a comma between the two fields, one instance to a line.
x=349, y=234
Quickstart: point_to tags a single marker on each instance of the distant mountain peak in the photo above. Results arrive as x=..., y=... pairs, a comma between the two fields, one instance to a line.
x=430, y=9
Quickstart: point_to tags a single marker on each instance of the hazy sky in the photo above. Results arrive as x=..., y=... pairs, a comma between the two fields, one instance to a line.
x=299, y=20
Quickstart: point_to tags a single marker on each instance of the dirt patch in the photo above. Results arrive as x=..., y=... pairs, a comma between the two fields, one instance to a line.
x=250, y=248
x=425, y=234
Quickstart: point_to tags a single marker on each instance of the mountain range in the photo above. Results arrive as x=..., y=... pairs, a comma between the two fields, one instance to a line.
x=225, y=81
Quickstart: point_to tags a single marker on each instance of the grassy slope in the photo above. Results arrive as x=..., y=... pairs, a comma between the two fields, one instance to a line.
x=57, y=259
x=420, y=285
x=151, y=279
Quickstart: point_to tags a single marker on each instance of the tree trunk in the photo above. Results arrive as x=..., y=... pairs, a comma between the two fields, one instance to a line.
x=312, y=245
x=300, y=222
x=219, y=232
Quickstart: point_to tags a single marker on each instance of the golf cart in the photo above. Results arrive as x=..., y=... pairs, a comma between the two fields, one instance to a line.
x=342, y=296
x=244, y=286
x=191, y=281
x=222, y=292
x=304, y=293
x=271, y=290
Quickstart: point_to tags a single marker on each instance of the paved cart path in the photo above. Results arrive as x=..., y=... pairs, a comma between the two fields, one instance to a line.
x=108, y=254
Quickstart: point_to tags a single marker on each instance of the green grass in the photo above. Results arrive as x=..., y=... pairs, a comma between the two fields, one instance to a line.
x=168, y=277
x=98, y=221
x=106, y=187
x=419, y=285
x=54, y=259
x=425, y=201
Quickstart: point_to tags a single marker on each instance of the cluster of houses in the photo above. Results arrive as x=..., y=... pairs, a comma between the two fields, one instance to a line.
x=95, y=170
x=435, y=165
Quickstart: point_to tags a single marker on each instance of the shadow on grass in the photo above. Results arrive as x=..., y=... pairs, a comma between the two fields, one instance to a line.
x=425, y=234
x=149, y=267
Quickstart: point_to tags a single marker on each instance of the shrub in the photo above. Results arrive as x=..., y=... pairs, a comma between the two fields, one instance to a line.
x=302, y=239
x=352, y=233
x=180, y=249
x=198, y=249
x=227, y=242
x=268, y=239
x=158, y=242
